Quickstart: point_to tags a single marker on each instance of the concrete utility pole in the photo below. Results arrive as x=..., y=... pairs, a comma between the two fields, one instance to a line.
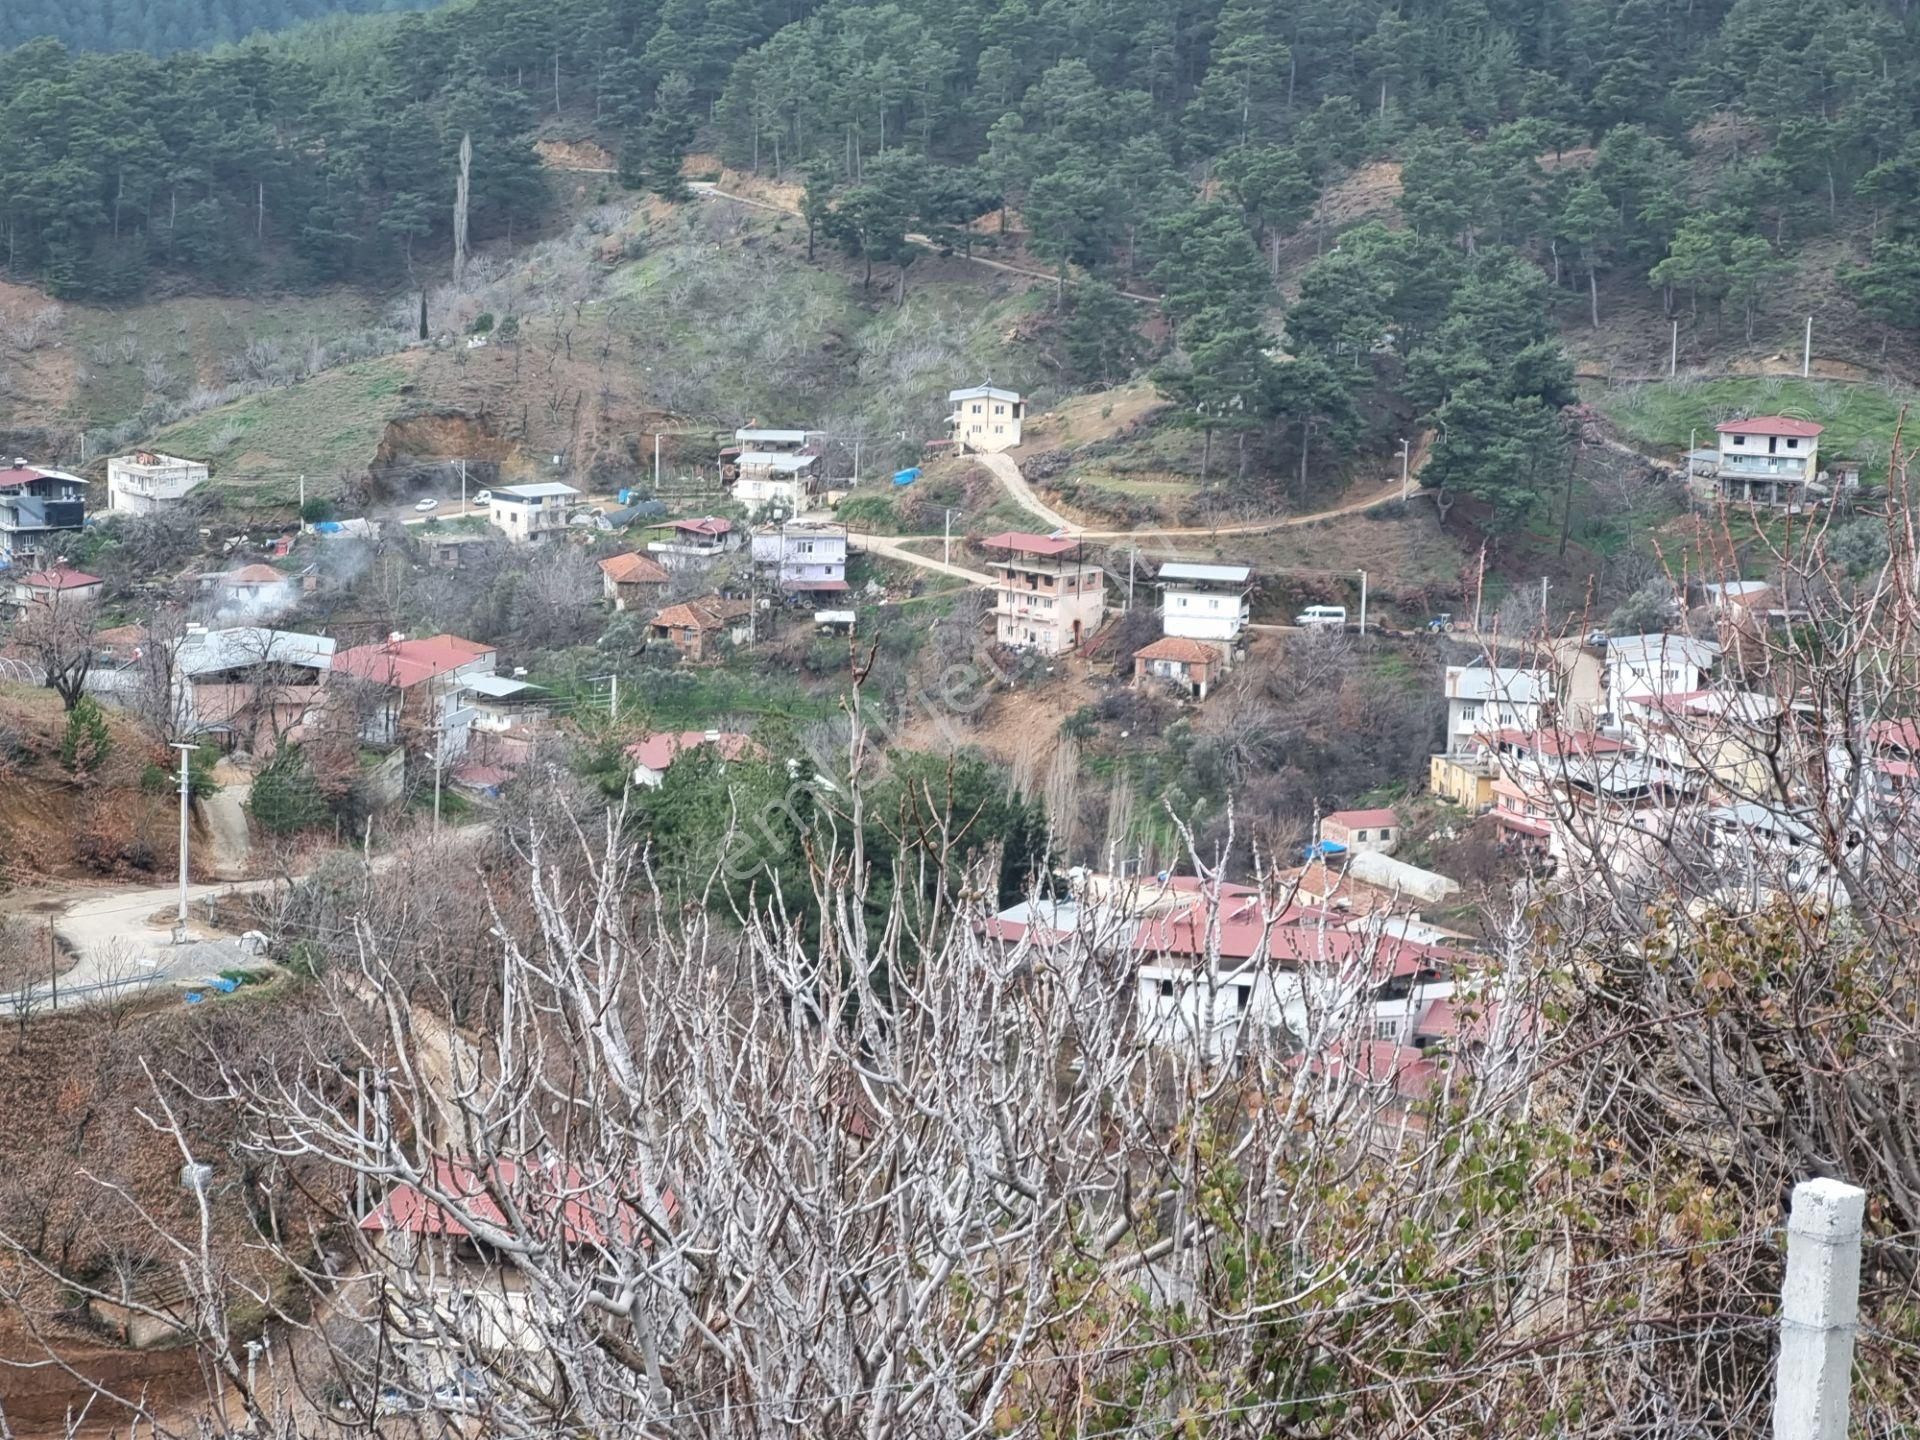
x=1132, y=555
x=1673, y=352
x=303, y=498
x=946, y=535
x=1406, y=457
x=186, y=799
x=1806, y=351
x=1819, y=1308
x=1363, y=602
x=463, y=485
x=439, y=748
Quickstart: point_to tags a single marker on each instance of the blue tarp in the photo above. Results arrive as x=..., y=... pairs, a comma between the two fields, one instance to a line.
x=327, y=527
x=906, y=477
x=1323, y=849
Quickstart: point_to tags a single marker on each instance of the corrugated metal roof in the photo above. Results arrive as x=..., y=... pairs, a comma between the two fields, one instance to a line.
x=1192, y=570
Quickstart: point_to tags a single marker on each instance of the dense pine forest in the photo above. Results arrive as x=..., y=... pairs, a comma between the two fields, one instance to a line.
x=160, y=27
x=1690, y=148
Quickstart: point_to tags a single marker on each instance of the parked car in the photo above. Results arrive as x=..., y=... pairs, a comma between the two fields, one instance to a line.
x=483, y=497
x=427, y=504
x=1326, y=617
x=1598, y=639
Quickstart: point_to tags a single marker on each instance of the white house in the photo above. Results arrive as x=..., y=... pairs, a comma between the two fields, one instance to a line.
x=1768, y=459
x=37, y=505
x=1048, y=596
x=253, y=591
x=803, y=556
x=530, y=512
x=1485, y=698
x=146, y=481
x=1655, y=665
x=985, y=418
x=1205, y=602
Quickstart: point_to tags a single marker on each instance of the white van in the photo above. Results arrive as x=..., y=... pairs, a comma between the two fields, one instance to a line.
x=1331, y=617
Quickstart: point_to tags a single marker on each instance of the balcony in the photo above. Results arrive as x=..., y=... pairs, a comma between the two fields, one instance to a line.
x=1765, y=467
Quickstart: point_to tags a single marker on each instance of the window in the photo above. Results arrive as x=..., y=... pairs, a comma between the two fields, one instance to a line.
x=1166, y=989
x=1361, y=835
x=976, y=410
x=1739, y=439
x=999, y=409
x=1469, y=712
x=1792, y=444
x=1242, y=994
x=1386, y=1029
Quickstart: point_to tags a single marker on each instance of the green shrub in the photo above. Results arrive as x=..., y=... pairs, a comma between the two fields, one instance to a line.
x=285, y=795
x=86, y=744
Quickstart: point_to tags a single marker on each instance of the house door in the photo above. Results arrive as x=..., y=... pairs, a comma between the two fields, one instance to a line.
x=1076, y=635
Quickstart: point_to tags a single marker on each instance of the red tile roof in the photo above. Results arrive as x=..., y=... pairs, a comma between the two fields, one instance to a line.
x=1030, y=544
x=1180, y=649
x=1409, y=1072
x=59, y=577
x=584, y=1211
x=1355, y=819
x=708, y=612
x=660, y=749
x=1770, y=425
x=633, y=568
x=1556, y=742
x=1293, y=939
x=403, y=664
x=252, y=575
x=1896, y=734
x=711, y=525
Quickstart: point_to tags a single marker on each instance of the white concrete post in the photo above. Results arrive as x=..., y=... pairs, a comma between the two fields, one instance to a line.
x=1819, y=1304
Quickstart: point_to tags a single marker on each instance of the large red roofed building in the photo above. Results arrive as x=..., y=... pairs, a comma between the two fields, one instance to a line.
x=654, y=754
x=1048, y=596
x=415, y=693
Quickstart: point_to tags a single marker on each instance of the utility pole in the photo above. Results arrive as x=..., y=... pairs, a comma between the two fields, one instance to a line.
x=1132, y=555
x=439, y=748
x=463, y=487
x=1544, y=627
x=1819, y=1309
x=1406, y=455
x=1806, y=351
x=1363, y=603
x=856, y=459
x=53, y=965
x=1673, y=352
x=946, y=535
x=303, y=498
x=656, y=463
x=186, y=796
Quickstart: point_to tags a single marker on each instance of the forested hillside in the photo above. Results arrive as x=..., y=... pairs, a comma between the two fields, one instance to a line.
x=162, y=26
x=1546, y=153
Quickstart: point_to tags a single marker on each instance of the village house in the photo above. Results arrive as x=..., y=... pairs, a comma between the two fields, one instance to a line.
x=654, y=754
x=414, y=690
x=1194, y=665
x=1048, y=596
x=451, y=552
x=1206, y=602
x=37, y=506
x=251, y=688
x=1660, y=664
x=697, y=627
x=145, y=481
x=1481, y=698
x=695, y=542
x=803, y=556
x=253, y=591
x=58, y=584
x=1767, y=460
x=632, y=581
x=1357, y=831
x=985, y=418
x=771, y=470
x=531, y=512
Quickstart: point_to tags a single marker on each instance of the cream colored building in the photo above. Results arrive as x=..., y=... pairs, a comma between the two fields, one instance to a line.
x=1047, y=595
x=144, y=482
x=985, y=418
